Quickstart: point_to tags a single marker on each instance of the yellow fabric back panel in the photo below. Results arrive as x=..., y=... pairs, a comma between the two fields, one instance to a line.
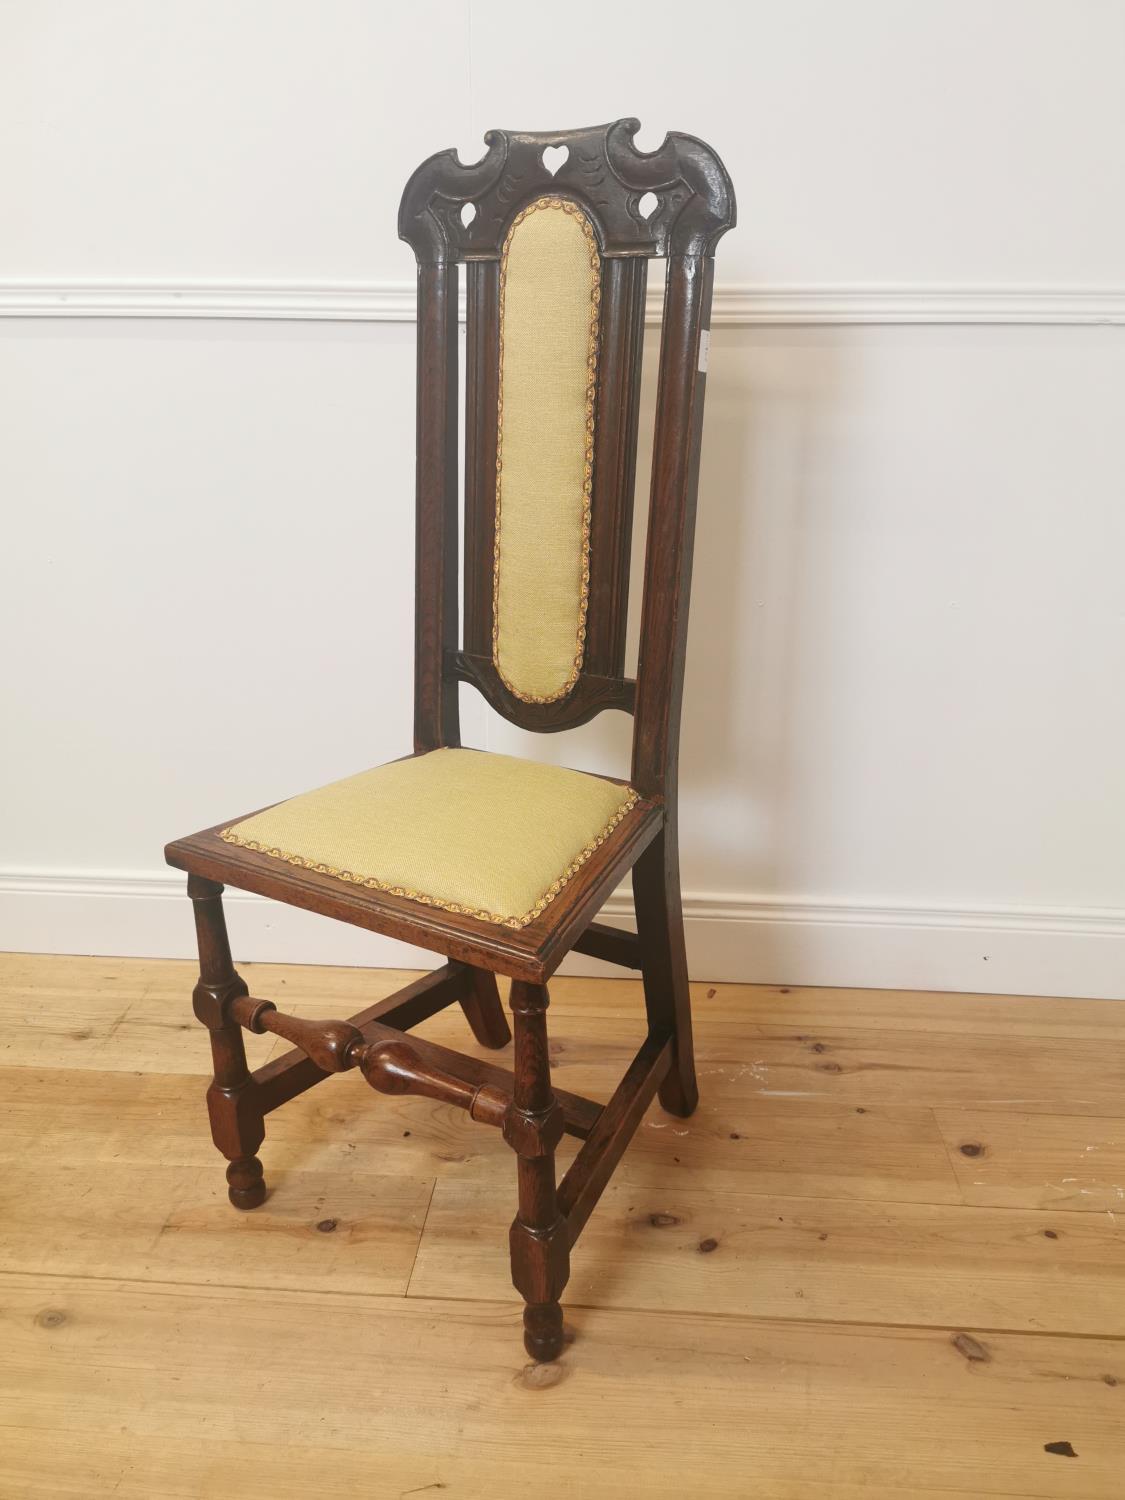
x=466, y=830
x=550, y=286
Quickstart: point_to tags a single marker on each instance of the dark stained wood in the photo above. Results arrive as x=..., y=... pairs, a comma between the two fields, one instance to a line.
x=592, y=1168
x=603, y=171
x=435, y=573
x=483, y=1010
x=664, y=621
x=237, y=1126
x=422, y=998
x=660, y=927
x=589, y=697
x=532, y=952
x=291, y=1074
x=482, y=379
x=329, y=1044
x=606, y=176
x=399, y=1068
x=671, y=525
x=282, y=1079
x=580, y=1115
x=610, y=944
x=615, y=462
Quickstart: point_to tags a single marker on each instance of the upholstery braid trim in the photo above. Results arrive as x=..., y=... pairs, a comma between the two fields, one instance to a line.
x=568, y=207
x=371, y=883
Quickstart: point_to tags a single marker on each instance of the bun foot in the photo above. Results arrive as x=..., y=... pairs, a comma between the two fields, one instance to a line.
x=543, y=1331
x=247, y=1186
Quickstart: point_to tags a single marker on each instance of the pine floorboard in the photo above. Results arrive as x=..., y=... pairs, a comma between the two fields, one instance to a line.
x=884, y=1259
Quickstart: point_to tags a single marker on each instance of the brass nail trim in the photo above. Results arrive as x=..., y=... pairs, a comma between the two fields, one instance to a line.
x=566, y=206
x=370, y=882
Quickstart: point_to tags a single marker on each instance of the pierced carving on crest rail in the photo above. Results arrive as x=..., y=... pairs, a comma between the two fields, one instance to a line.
x=603, y=171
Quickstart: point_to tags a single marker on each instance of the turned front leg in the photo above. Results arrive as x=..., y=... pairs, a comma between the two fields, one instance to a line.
x=533, y=1128
x=236, y=1120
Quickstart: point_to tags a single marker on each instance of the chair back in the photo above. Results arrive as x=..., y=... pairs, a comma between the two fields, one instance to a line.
x=555, y=231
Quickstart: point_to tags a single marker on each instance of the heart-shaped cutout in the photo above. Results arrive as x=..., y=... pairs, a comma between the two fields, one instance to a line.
x=555, y=157
x=647, y=205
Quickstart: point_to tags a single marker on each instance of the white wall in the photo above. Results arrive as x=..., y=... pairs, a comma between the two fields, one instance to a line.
x=904, y=727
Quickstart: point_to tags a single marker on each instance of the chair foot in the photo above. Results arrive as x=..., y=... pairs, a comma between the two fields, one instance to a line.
x=660, y=927
x=247, y=1184
x=543, y=1331
x=679, y=1095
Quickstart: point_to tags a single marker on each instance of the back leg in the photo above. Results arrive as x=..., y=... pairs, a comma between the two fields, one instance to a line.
x=660, y=927
x=484, y=1012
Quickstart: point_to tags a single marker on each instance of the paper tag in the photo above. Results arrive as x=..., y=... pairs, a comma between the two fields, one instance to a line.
x=704, y=350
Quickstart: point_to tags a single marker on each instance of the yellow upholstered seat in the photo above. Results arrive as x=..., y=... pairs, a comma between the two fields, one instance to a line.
x=488, y=835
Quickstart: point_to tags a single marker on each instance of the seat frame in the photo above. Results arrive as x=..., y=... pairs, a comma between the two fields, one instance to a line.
x=607, y=177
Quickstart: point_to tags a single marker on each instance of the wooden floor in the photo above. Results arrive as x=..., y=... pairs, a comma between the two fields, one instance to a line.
x=884, y=1259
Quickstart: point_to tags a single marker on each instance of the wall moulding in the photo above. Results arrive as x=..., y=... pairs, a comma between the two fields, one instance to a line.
x=735, y=305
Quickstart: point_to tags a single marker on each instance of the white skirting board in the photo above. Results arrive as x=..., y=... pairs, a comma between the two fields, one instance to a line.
x=765, y=940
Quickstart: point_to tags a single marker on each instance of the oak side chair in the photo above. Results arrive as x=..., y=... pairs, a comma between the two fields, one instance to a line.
x=502, y=864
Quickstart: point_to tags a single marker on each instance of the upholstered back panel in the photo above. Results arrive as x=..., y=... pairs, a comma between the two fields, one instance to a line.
x=550, y=284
